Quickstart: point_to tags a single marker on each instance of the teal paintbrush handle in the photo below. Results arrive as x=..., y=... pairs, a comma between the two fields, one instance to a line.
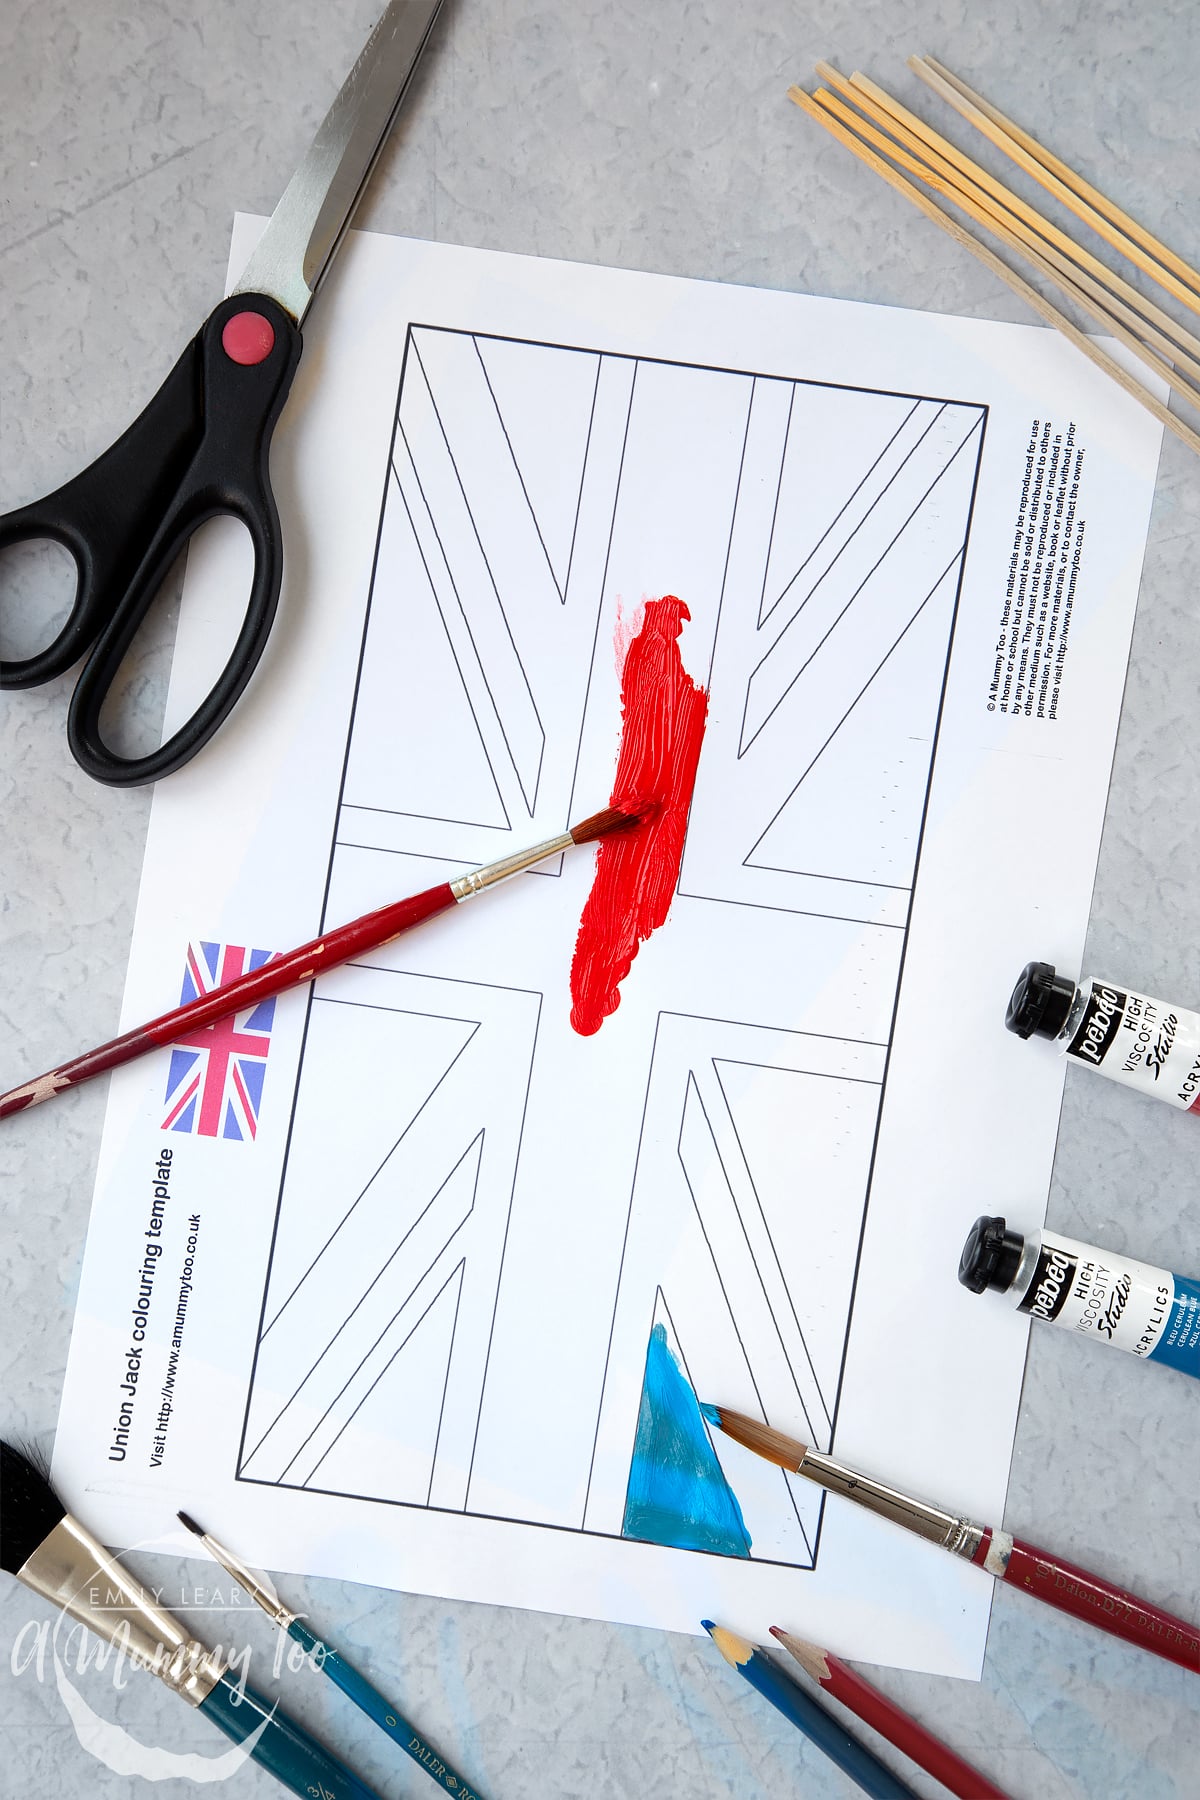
x=357, y=1688
x=294, y=1758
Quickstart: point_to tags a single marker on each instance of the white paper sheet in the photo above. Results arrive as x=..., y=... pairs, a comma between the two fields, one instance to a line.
x=399, y=1326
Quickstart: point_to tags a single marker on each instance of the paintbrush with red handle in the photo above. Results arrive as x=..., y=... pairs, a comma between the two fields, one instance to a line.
x=891, y=1721
x=295, y=967
x=1062, y=1584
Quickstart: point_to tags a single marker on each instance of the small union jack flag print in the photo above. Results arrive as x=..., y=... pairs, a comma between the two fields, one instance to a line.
x=215, y=1082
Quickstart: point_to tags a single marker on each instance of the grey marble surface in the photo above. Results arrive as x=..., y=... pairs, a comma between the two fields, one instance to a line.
x=654, y=136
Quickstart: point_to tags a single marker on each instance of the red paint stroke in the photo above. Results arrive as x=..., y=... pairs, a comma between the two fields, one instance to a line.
x=663, y=716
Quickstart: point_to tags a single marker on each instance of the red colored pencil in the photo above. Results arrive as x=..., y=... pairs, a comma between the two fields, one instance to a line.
x=296, y=967
x=1072, y=1589
x=890, y=1720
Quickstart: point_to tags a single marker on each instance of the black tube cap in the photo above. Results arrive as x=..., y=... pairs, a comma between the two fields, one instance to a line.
x=990, y=1257
x=1040, y=1002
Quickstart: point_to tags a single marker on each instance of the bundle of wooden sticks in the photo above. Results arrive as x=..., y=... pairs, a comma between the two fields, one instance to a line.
x=881, y=128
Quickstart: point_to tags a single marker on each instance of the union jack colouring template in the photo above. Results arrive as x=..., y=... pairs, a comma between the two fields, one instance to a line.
x=445, y=1255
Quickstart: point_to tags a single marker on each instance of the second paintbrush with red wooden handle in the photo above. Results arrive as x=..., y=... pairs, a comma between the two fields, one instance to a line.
x=296, y=967
x=1062, y=1584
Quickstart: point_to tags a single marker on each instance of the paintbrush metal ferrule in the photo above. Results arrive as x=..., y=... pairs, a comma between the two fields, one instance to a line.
x=260, y=1591
x=76, y=1574
x=948, y=1530
x=952, y=1532
x=1047, y=1577
x=479, y=879
x=342, y=1673
x=293, y=968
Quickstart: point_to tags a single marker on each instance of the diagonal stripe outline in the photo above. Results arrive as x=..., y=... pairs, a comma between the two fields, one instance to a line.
x=559, y=588
x=441, y=614
x=375, y=1279
x=461, y=1271
x=802, y=778
x=409, y=1012
x=424, y=1276
x=897, y=472
x=811, y=1074
x=849, y=501
x=587, y=452
x=533, y=518
x=612, y=529
x=437, y=601
x=744, y=743
x=690, y=1086
x=458, y=1269
x=693, y=1087
x=531, y=803
x=765, y=611
x=761, y=1210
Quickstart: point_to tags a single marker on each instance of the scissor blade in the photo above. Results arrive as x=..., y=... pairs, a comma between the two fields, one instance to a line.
x=308, y=225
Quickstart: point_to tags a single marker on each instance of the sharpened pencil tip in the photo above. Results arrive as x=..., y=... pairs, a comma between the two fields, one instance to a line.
x=812, y=1659
x=737, y=1651
x=187, y=1519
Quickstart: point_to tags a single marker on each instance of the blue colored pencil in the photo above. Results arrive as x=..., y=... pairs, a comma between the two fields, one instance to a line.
x=355, y=1686
x=853, y=1758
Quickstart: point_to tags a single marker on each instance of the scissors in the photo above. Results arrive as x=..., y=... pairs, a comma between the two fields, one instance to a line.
x=201, y=446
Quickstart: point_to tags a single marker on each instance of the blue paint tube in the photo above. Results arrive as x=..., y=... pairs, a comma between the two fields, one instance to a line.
x=1130, y=1305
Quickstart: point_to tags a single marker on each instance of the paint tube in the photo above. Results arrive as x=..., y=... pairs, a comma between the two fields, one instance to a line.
x=1113, y=1299
x=1132, y=1038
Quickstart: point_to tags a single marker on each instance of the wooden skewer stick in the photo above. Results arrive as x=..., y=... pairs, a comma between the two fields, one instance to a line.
x=1158, y=327
x=1084, y=189
x=1030, y=295
x=1128, y=248
x=1015, y=236
x=875, y=100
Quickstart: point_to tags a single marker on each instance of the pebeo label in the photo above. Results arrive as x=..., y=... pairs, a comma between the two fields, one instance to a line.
x=1051, y=1285
x=1143, y=1042
x=1099, y=1026
x=1130, y=1305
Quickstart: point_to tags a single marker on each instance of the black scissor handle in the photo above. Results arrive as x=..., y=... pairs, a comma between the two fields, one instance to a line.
x=248, y=352
x=103, y=516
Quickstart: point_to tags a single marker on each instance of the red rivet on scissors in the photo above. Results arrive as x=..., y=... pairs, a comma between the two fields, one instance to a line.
x=248, y=338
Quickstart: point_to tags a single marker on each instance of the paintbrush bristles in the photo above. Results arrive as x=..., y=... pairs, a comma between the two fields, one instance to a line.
x=31, y=1508
x=260, y=1591
x=762, y=1439
x=613, y=818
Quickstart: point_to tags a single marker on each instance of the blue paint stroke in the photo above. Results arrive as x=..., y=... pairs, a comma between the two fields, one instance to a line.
x=677, y=1492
